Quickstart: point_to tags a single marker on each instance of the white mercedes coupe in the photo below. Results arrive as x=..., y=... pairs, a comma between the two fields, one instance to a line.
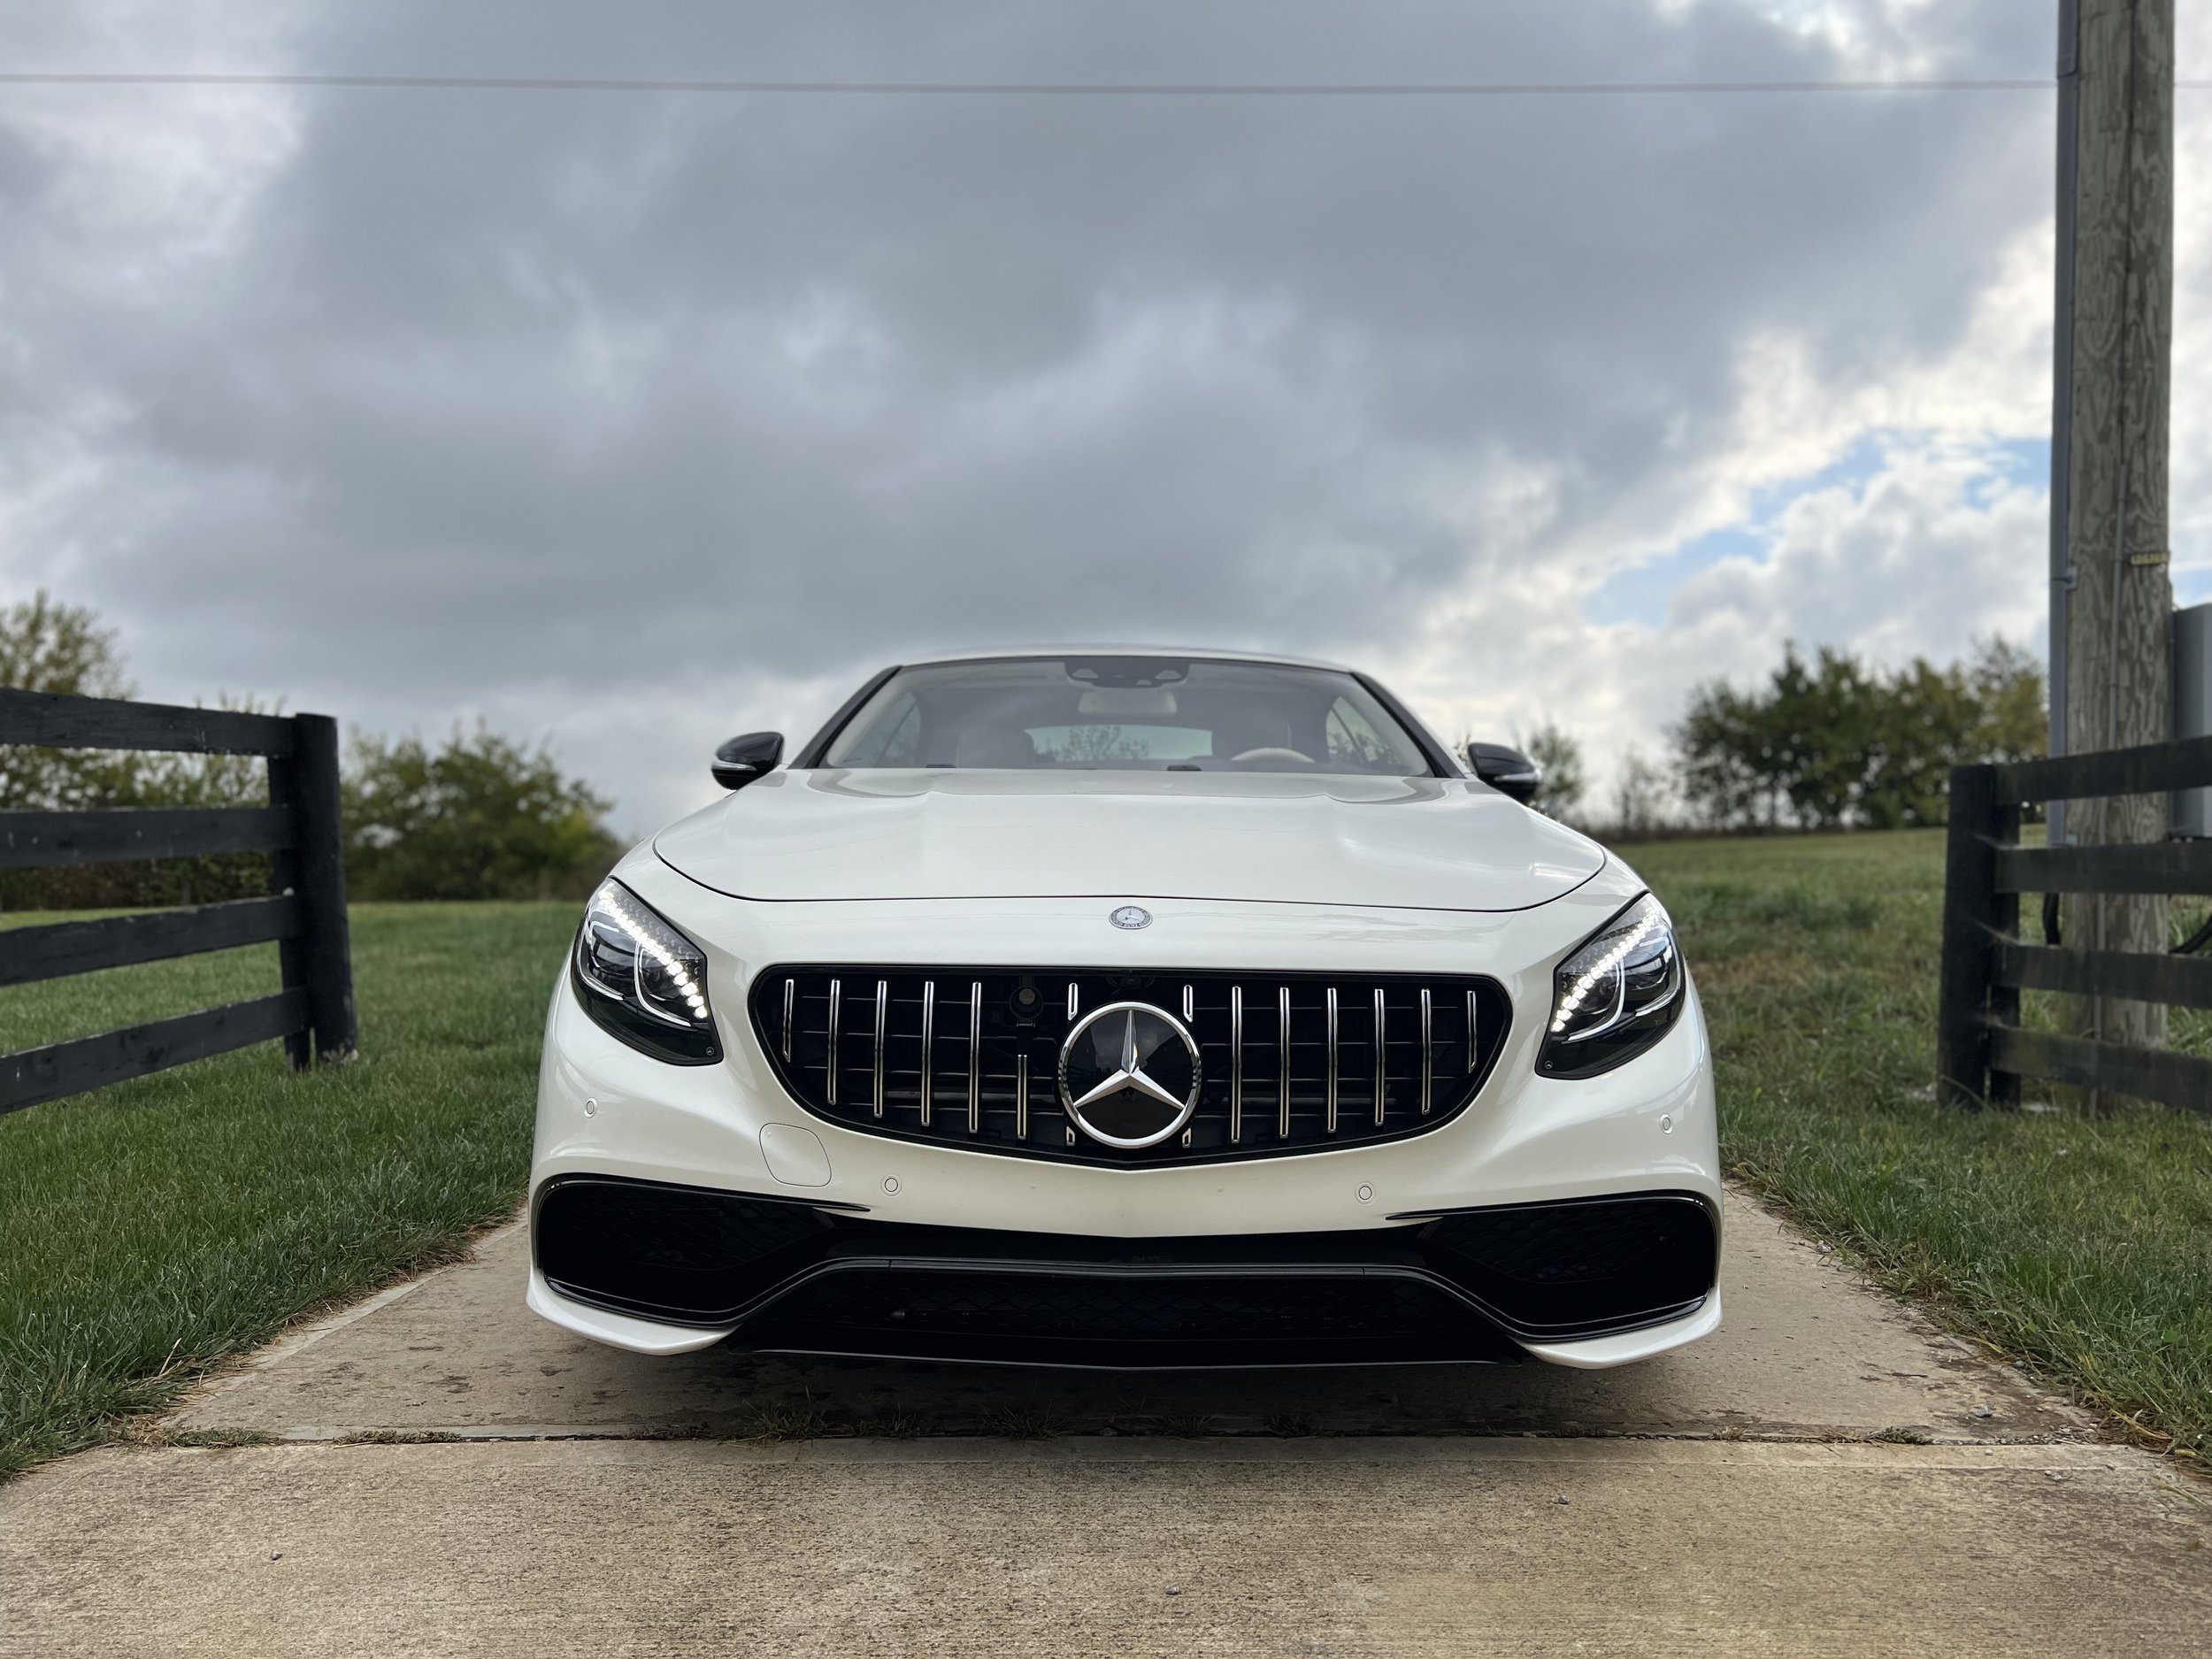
x=1131, y=1008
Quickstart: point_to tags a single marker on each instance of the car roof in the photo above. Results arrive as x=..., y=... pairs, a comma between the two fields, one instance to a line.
x=986, y=653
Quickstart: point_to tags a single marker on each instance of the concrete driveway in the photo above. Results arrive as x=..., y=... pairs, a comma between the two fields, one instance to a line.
x=445, y=1474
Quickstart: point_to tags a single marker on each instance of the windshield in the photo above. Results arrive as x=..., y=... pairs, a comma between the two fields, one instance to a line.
x=1127, y=714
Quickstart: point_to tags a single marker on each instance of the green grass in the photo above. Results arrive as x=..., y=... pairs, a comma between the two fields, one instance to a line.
x=2081, y=1246
x=151, y=1228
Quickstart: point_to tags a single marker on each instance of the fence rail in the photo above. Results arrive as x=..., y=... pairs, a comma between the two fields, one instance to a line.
x=41, y=840
x=304, y=915
x=1982, y=1053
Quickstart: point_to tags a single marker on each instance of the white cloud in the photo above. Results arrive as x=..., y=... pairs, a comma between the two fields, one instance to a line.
x=2191, y=439
x=1934, y=539
x=638, y=421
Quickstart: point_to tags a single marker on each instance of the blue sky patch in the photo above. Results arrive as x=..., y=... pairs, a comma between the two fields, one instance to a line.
x=1642, y=593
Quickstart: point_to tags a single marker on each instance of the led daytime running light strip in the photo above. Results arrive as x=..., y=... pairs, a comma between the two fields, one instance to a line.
x=685, y=984
x=1606, y=965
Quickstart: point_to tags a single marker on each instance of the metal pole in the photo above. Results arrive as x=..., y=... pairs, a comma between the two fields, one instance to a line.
x=2062, y=377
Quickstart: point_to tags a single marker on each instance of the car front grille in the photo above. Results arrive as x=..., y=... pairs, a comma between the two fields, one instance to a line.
x=970, y=1056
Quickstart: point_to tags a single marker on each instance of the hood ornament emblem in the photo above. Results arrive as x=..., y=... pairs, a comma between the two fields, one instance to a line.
x=1129, y=1075
x=1129, y=918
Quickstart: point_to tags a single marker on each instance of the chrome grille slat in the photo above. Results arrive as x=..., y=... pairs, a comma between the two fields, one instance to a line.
x=883, y=1017
x=1421, y=1078
x=1333, y=1060
x=929, y=1040
x=1428, y=1052
x=1382, y=1042
x=1236, y=1064
x=975, y=1058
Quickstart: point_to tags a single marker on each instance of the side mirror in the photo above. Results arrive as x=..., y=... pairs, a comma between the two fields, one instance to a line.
x=1508, y=770
x=741, y=760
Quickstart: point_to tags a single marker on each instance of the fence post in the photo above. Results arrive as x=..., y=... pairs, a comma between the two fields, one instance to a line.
x=322, y=890
x=2003, y=1006
x=284, y=877
x=320, y=960
x=1971, y=918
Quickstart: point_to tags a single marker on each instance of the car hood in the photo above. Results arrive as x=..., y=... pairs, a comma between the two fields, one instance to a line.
x=1428, y=844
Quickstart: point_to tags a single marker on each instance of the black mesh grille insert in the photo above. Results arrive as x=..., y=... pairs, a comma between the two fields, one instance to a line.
x=672, y=1252
x=1608, y=1262
x=970, y=1056
x=1120, y=1307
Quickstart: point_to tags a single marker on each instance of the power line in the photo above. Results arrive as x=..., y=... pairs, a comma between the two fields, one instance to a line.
x=1026, y=88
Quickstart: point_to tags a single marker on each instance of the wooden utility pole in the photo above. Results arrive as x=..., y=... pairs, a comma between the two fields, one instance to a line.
x=2112, y=595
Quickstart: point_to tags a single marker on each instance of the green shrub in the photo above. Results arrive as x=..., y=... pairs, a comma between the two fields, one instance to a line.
x=1833, y=743
x=480, y=818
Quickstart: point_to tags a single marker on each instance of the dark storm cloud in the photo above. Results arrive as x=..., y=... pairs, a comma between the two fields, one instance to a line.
x=577, y=403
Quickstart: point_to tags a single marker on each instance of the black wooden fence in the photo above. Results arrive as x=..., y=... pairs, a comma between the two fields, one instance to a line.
x=305, y=913
x=1982, y=1053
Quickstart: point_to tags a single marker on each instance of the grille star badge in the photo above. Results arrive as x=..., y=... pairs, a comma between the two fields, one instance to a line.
x=1129, y=1075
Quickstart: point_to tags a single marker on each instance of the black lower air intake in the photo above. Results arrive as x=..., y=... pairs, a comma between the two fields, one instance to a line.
x=687, y=1254
x=1583, y=1265
x=787, y=1273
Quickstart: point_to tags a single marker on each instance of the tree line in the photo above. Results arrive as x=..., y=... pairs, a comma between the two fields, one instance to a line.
x=476, y=817
x=1826, y=743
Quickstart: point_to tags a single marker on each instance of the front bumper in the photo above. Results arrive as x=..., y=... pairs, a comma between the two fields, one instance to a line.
x=777, y=1274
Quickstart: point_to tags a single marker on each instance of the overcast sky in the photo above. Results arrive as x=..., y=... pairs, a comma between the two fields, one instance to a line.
x=634, y=420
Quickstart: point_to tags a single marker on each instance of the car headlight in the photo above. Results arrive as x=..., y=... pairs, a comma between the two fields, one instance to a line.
x=1615, y=995
x=641, y=980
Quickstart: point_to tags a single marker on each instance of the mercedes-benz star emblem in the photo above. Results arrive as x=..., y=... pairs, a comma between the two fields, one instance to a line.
x=1129, y=1075
x=1131, y=917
